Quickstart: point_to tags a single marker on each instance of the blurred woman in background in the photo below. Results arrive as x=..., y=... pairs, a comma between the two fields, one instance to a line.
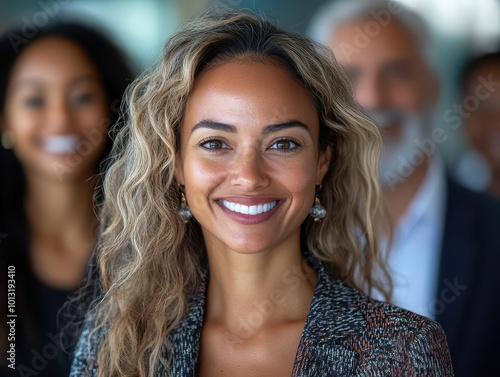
x=59, y=93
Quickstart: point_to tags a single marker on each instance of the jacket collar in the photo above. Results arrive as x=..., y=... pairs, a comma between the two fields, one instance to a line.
x=332, y=321
x=324, y=346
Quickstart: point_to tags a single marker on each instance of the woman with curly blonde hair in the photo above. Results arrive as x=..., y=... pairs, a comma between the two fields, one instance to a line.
x=240, y=221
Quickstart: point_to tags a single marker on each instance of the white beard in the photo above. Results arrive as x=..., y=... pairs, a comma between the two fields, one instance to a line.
x=413, y=128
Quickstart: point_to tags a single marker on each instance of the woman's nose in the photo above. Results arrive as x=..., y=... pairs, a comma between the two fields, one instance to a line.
x=249, y=171
x=59, y=117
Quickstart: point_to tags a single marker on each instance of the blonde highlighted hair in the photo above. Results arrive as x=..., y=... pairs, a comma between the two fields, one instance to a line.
x=150, y=262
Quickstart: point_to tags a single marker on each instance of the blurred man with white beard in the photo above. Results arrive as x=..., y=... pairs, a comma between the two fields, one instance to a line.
x=446, y=248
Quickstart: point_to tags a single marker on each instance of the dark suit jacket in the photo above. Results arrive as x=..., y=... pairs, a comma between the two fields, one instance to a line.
x=468, y=295
x=346, y=334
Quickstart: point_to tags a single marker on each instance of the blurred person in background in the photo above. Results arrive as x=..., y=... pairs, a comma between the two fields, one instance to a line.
x=446, y=251
x=479, y=166
x=60, y=91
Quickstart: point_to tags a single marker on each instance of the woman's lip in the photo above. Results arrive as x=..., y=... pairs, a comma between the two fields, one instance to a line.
x=248, y=201
x=60, y=144
x=250, y=219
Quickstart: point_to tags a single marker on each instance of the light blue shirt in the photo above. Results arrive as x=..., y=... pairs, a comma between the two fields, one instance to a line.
x=415, y=254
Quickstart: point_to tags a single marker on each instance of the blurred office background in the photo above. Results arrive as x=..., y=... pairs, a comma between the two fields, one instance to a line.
x=461, y=28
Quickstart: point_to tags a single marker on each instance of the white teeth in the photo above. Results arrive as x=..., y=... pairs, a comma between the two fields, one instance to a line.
x=249, y=210
x=60, y=144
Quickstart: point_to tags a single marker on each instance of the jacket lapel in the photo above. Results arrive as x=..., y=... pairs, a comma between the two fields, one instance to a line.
x=185, y=338
x=332, y=320
x=323, y=349
x=458, y=264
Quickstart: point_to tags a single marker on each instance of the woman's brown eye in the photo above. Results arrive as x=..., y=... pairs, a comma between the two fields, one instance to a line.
x=214, y=144
x=34, y=102
x=284, y=144
x=82, y=99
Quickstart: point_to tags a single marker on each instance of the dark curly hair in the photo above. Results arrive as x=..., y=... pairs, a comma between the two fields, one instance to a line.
x=115, y=73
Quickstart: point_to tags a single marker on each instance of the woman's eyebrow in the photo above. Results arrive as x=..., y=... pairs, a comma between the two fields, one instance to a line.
x=218, y=126
x=283, y=126
x=84, y=78
x=42, y=82
x=29, y=82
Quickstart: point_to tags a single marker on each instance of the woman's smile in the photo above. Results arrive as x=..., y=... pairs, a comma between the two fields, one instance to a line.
x=250, y=210
x=61, y=144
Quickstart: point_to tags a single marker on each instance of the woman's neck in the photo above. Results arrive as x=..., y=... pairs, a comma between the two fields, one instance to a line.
x=250, y=292
x=59, y=211
x=62, y=227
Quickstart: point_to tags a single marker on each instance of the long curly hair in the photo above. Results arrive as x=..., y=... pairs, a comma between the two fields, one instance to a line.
x=150, y=261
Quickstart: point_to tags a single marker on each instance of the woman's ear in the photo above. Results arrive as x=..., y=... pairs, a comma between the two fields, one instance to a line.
x=324, y=160
x=178, y=170
x=3, y=126
x=6, y=136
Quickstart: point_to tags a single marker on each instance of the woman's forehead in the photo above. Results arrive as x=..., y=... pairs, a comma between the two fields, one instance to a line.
x=250, y=90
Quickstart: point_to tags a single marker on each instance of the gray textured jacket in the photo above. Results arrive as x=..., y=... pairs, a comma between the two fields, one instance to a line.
x=346, y=334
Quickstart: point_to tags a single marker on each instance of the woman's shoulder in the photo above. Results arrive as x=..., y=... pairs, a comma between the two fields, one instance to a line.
x=374, y=317
x=332, y=295
x=85, y=355
x=376, y=336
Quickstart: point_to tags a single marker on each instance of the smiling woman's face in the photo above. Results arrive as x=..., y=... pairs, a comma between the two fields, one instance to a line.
x=249, y=156
x=57, y=110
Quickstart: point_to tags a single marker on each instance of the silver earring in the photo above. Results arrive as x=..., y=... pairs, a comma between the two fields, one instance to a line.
x=7, y=140
x=184, y=210
x=317, y=212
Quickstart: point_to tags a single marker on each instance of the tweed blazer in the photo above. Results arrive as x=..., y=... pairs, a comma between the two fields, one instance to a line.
x=346, y=334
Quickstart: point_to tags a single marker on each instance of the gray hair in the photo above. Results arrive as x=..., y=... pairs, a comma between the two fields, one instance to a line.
x=330, y=16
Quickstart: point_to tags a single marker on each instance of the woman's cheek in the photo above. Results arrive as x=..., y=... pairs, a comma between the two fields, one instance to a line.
x=201, y=178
